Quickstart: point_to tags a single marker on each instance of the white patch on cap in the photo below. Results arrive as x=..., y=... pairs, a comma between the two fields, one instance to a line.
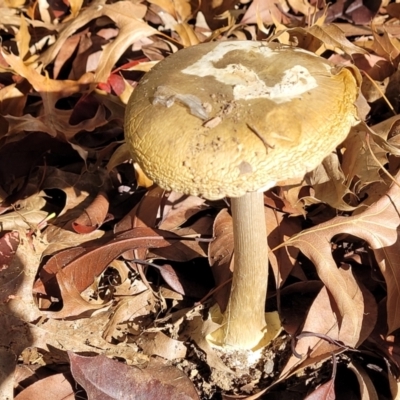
x=205, y=66
x=295, y=81
x=246, y=83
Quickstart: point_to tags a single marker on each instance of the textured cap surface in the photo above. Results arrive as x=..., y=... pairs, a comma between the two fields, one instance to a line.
x=225, y=118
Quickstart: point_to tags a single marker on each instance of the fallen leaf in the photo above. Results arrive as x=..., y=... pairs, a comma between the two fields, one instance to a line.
x=295, y=301
x=107, y=379
x=144, y=214
x=192, y=281
x=266, y=11
x=378, y=226
x=357, y=160
x=323, y=319
x=280, y=228
x=328, y=35
x=220, y=256
x=9, y=243
x=187, y=34
x=198, y=329
x=178, y=208
x=127, y=315
x=329, y=183
x=157, y=343
x=51, y=91
x=81, y=267
x=93, y=216
x=74, y=305
x=367, y=387
x=324, y=392
x=54, y=387
x=385, y=45
x=24, y=219
x=17, y=309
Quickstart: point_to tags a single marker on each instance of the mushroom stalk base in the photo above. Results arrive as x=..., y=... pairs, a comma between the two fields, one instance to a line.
x=244, y=319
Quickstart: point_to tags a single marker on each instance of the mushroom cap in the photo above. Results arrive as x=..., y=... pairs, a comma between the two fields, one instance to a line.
x=225, y=118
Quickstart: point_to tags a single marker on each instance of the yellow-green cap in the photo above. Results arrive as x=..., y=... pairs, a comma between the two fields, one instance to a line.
x=224, y=118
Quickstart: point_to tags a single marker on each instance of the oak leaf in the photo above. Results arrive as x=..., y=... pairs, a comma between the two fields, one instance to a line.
x=379, y=227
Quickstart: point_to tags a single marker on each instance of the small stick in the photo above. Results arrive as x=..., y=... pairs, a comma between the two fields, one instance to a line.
x=255, y=131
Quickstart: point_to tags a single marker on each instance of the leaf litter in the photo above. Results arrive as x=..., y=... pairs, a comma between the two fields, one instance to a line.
x=107, y=279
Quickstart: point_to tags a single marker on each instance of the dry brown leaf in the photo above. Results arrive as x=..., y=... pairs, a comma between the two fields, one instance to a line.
x=202, y=227
x=375, y=89
x=51, y=91
x=323, y=319
x=293, y=194
x=275, y=198
x=75, y=7
x=214, y=12
x=133, y=12
x=23, y=38
x=329, y=36
x=185, y=250
x=9, y=243
x=195, y=281
x=132, y=29
x=81, y=266
x=386, y=45
x=333, y=38
x=385, y=134
x=20, y=309
x=178, y=208
x=267, y=11
x=295, y=301
x=82, y=335
x=124, y=286
x=128, y=314
x=326, y=391
x=119, y=156
x=303, y=7
x=12, y=101
x=17, y=309
x=107, y=379
x=93, y=216
x=66, y=52
x=378, y=226
x=220, y=256
x=143, y=215
x=362, y=13
x=330, y=184
x=180, y=10
x=187, y=34
x=394, y=387
x=80, y=189
x=14, y=3
x=159, y=344
x=53, y=387
x=357, y=160
x=23, y=219
x=198, y=329
x=280, y=228
x=27, y=122
x=74, y=305
x=367, y=387
x=57, y=239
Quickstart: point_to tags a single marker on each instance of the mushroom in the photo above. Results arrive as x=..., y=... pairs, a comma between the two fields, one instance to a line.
x=231, y=119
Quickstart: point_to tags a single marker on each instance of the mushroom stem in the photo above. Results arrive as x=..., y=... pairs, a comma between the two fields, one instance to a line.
x=244, y=318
